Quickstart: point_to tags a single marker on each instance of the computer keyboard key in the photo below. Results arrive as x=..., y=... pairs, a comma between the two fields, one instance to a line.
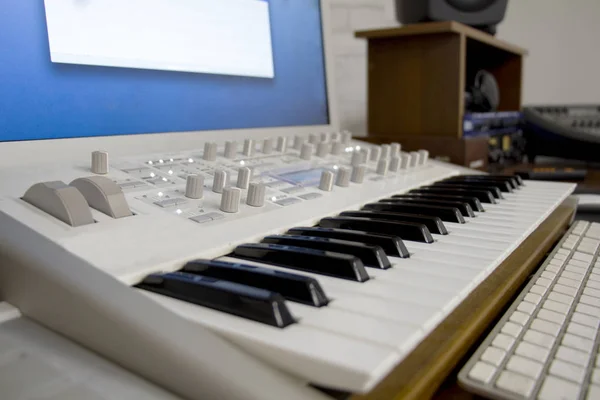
x=593, y=392
x=295, y=287
x=371, y=256
x=526, y=307
x=533, y=298
x=566, y=290
x=555, y=388
x=551, y=316
x=512, y=329
x=545, y=327
x=493, y=356
x=392, y=245
x=578, y=342
x=581, y=330
x=590, y=291
x=449, y=214
x=573, y=356
x=404, y=230
x=244, y=301
x=338, y=265
x=589, y=300
x=567, y=370
x=482, y=372
x=586, y=320
x=524, y=366
x=519, y=318
x=434, y=224
x=589, y=310
x=539, y=338
x=503, y=342
x=532, y=351
x=515, y=383
x=595, y=378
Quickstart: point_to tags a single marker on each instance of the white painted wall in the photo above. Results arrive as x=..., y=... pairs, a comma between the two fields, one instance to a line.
x=562, y=36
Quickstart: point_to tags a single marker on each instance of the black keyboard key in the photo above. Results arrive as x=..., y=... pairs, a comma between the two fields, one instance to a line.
x=484, y=196
x=323, y=262
x=434, y=224
x=295, y=287
x=514, y=180
x=462, y=206
x=493, y=190
x=450, y=214
x=244, y=301
x=472, y=201
x=504, y=185
x=371, y=256
x=405, y=230
x=391, y=245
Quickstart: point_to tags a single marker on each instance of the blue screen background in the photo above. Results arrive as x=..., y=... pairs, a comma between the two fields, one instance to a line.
x=43, y=100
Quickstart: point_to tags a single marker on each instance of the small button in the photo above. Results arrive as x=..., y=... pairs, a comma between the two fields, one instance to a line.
x=493, y=356
x=482, y=372
x=288, y=201
x=524, y=366
x=310, y=196
x=170, y=202
x=515, y=383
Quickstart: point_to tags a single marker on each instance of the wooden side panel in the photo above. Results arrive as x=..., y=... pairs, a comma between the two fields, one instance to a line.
x=416, y=85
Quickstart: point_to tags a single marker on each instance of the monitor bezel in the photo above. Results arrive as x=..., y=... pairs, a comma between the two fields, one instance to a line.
x=78, y=149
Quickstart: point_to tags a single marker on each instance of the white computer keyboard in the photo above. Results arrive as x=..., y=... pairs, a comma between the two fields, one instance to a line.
x=546, y=345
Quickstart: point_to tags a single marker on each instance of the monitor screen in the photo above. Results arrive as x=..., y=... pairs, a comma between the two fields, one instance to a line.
x=81, y=68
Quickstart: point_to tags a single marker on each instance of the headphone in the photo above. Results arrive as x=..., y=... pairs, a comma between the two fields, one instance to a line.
x=484, y=95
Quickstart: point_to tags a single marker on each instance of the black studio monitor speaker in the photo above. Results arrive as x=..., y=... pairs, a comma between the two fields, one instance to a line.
x=481, y=14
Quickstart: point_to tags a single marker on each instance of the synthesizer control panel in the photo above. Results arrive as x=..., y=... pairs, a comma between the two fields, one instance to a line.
x=325, y=260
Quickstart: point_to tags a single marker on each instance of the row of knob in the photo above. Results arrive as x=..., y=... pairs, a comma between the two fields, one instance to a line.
x=324, y=142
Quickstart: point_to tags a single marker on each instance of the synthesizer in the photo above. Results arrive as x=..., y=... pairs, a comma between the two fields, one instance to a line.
x=564, y=131
x=259, y=268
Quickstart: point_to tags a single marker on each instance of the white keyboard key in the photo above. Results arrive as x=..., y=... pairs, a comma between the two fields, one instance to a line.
x=567, y=290
x=503, y=341
x=596, y=376
x=578, y=263
x=533, y=298
x=539, y=338
x=532, y=351
x=560, y=257
x=594, y=276
x=586, y=320
x=519, y=318
x=590, y=291
x=582, y=257
x=589, y=310
x=571, y=355
x=524, y=366
x=526, y=307
x=577, y=342
x=545, y=327
x=548, y=275
x=556, y=307
x=560, y=298
x=593, y=392
x=555, y=388
x=493, y=355
x=572, y=275
x=569, y=282
x=569, y=244
x=482, y=372
x=581, y=330
x=551, y=316
x=575, y=269
x=567, y=370
x=593, y=284
x=553, y=268
x=589, y=300
x=539, y=289
x=515, y=383
x=543, y=282
x=563, y=252
x=512, y=329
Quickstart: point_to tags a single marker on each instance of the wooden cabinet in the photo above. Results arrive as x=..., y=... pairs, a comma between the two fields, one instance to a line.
x=417, y=75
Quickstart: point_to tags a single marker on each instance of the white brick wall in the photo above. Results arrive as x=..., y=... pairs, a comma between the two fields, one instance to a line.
x=560, y=36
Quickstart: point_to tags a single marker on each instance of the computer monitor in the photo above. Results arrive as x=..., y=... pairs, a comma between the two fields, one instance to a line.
x=134, y=76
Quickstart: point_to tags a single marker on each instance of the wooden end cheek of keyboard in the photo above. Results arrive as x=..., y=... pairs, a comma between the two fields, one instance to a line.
x=420, y=375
